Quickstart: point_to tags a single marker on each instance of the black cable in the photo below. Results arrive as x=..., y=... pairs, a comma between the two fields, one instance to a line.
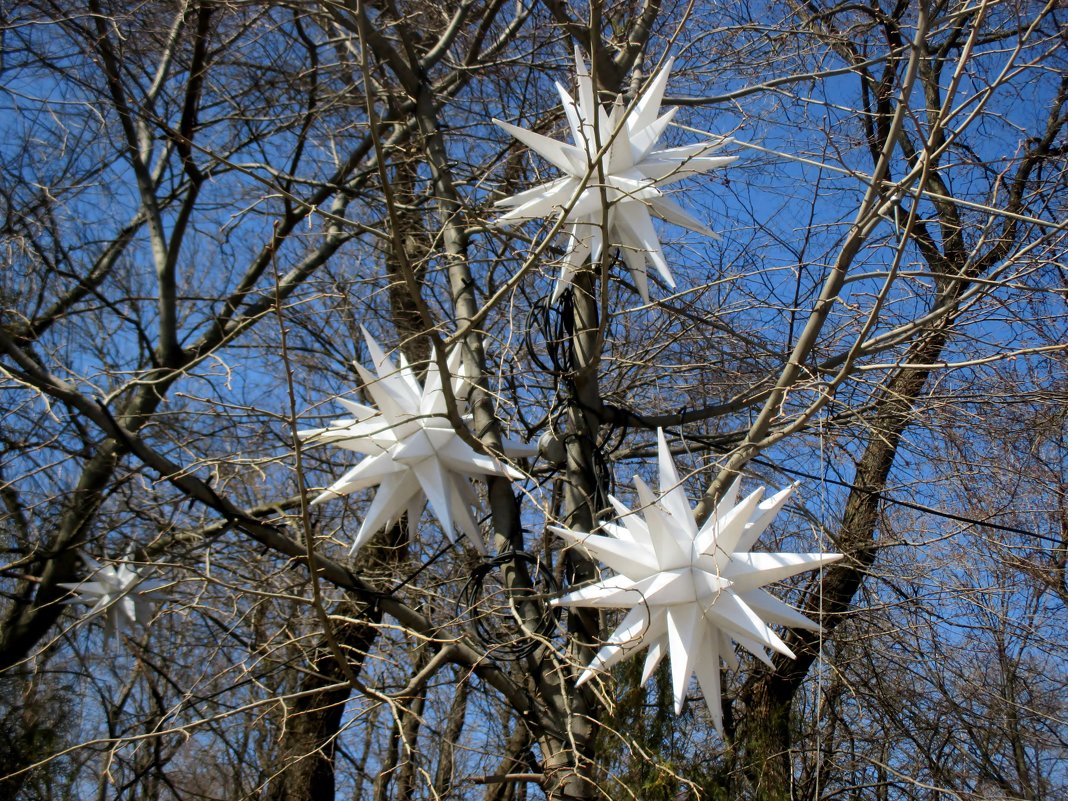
x=554, y=325
x=422, y=567
x=522, y=639
x=885, y=497
x=907, y=504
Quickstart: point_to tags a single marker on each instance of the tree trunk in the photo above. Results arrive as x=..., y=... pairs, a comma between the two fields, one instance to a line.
x=313, y=722
x=764, y=735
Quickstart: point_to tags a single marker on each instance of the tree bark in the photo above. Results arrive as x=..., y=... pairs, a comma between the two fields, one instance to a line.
x=312, y=724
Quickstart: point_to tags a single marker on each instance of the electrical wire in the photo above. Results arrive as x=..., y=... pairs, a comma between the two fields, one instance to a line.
x=503, y=625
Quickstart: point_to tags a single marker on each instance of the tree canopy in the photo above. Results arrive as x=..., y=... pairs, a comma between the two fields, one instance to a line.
x=211, y=211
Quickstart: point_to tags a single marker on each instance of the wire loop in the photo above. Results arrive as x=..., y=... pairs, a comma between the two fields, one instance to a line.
x=512, y=621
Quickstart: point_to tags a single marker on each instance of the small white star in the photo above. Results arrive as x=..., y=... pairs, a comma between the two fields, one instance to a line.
x=690, y=591
x=121, y=594
x=414, y=454
x=633, y=174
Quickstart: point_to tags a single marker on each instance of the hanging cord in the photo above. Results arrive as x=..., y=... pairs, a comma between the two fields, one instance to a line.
x=421, y=568
x=550, y=345
x=501, y=623
x=404, y=582
x=553, y=325
x=718, y=447
x=819, y=653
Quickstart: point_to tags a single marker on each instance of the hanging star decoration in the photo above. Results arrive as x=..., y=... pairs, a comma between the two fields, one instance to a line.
x=414, y=454
x=121, y=594
x=615, y=196
x=690, y=590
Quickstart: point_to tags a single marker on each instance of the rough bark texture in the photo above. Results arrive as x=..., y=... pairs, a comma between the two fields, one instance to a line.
x=765, y=733
x=313, y=721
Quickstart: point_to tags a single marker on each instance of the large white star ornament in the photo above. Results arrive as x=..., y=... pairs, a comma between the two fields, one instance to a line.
x=691, y=591
x=634, y=173
x=121, y=594
x=413, y=452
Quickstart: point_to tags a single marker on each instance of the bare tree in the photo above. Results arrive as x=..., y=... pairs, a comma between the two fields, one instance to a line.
x=204, y=202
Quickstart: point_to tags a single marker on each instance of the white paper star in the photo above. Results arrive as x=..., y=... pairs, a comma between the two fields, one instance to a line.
x=121, y=594
x=633, y=171
x=690, y=591
x=414, y=454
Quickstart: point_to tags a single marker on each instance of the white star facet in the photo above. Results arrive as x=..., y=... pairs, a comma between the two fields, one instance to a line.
x=121, y=594
x=413, y=452
x=633, y=172
x=691, y=591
